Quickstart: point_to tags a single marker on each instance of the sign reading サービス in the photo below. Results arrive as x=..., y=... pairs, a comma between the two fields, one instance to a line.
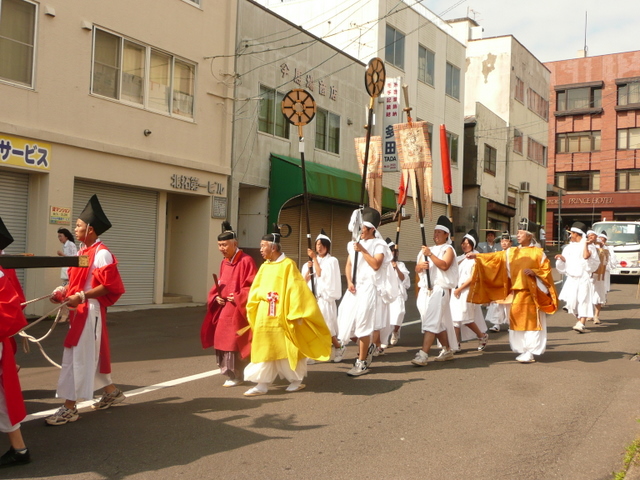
x=23, y=152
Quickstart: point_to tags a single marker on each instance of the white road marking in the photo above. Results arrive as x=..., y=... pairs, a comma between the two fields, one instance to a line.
x=131, y=393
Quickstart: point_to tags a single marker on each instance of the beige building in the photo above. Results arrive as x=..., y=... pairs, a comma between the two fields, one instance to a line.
x=419, y=49
x=506, y=102
x=113, y=98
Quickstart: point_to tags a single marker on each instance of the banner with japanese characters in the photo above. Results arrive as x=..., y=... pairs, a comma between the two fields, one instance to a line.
x=392, y=115
x=23, y=152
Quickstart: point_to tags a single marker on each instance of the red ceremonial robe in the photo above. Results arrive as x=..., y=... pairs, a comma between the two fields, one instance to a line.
x=12, y=320
x=109, y=277
x=222, y=322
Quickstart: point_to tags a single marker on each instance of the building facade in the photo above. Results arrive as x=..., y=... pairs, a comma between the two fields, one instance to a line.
x=506, y=104
x=419, y=50
x=594, y=139
x=110, y=98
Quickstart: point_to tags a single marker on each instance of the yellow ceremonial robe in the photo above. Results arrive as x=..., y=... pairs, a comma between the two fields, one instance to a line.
x=290, y=326
x=491, y=282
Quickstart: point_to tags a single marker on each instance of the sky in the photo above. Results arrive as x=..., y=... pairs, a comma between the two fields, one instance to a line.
x=553, y=29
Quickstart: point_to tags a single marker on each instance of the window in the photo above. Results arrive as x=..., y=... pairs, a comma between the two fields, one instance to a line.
x=579, y=181
x=517, y=141
x=537, y=104
x=628, y=138
x=519, y=90
x=628, y=180
x=579, y=98
x=270, y=117
x=629, y=93
x=578, y=142
x=453, y=81
x=536, y=151
x=327, y=131
x=426, y=65
x=490, y=159
x=17, y=41
x=138, y=74
x=394, y=47
x=452, y=141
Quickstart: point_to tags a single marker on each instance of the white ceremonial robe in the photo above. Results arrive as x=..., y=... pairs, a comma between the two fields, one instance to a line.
x=613, y=263
x=463, y=312
x=433, y=306
x=577, y=289
x=80, y=374
x=367, y=310
x=328, y=289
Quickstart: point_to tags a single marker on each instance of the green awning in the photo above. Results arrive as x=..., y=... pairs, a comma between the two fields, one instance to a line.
x=323, y=182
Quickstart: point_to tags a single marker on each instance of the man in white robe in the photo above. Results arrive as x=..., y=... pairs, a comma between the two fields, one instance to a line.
x=397, y=308
x=578, y=261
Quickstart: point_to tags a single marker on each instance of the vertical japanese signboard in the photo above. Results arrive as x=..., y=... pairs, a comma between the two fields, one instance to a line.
x=392, y=115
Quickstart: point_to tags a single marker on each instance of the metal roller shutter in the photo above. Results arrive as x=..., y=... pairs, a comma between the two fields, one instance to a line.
x=132, y=239
x=14, y=201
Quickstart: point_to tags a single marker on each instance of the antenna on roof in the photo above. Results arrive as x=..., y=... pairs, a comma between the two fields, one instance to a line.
x=586, y=48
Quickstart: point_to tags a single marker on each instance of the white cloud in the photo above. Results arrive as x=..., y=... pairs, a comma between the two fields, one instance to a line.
x=554, y=29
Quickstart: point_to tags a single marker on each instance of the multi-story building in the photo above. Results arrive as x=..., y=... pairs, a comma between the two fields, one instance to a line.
x=594, y=139
x=273, y=57
x=506, y=108
x=121, y=99
x=418, y=49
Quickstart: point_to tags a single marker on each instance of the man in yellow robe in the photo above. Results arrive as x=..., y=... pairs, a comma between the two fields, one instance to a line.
x=286, y=323
x=525, y=272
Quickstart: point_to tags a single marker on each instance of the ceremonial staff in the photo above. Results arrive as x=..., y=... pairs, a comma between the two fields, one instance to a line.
x=445, y=160
x=416, y=184
x=299, y=108
x=374, y=77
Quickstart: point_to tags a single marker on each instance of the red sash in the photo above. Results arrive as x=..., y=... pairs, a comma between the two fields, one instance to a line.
x=109, y=277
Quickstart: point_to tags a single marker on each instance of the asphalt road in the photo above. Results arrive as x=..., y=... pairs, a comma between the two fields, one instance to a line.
x=481, y=416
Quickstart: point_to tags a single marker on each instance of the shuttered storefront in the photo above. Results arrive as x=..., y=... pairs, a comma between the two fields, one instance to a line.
x=14, y=201
x=132, y=239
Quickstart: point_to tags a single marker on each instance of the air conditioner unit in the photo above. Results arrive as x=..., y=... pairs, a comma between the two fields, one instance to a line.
x=525, y=187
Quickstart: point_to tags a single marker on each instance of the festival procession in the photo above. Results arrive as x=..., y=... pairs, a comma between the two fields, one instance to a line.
x=274, y=320
x=313, y=239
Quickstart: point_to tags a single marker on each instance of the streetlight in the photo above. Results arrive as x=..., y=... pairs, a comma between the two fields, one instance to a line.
x=554, y=190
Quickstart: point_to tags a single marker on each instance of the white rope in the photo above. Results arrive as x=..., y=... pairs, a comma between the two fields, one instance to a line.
x=63, y=314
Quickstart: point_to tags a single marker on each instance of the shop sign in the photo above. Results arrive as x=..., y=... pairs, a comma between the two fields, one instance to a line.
x=580, y=201
x=59, y=215
x=22, y=152
x=186, y=182
x=390, y=117
x=305, y=80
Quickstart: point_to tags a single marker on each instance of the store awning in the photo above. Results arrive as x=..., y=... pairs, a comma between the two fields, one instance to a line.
x=323, y=182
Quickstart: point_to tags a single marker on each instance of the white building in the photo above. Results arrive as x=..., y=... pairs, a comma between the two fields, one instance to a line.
x=504, y=80
x=111, y=98
x=417, y=46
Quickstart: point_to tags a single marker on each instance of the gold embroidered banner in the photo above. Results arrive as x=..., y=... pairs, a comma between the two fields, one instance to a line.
x=374, y=169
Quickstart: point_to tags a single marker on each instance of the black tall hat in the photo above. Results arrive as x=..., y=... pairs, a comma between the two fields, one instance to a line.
x=443, y=221
x=473, y=236
x=227, y=232
x=5, y=237
x=372, y=216
x=505, y=235
x=579, y=226
x=94, y=216
x=273, y=237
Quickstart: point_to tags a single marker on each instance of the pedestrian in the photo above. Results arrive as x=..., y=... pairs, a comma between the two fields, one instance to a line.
x=286, y=323
x=578, y=261
x=363, y=309
x=490, y=245
x=598, y=285
x=328, y=286
x=227, y=309
x=525, y=273
x=498, y=311
x=543, y=237
x=467, y=317
x=397, y=308
x=69, y=249
x=613, y=261
x=12, y=409
x=435, y=293
x=86, y=360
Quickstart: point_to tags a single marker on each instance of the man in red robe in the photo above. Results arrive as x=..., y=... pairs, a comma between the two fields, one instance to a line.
x=12, y=320
x=227, y=309
x=86, y=361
